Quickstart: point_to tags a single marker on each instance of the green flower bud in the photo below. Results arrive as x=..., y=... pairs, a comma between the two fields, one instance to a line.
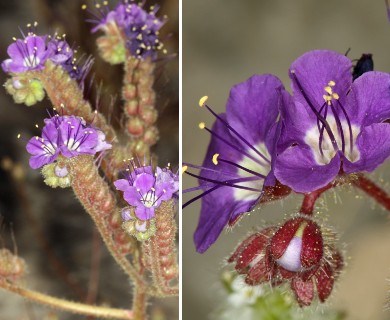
x=25, y=90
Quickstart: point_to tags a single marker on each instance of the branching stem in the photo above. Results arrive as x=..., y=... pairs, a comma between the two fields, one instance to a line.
x=74, y=307
x=373, y=191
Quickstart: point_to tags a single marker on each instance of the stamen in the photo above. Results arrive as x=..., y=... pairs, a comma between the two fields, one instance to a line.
x=202, y=101
x=243, y=168
x=200, y=196
x=220, y=172
x=349, y=125
x=228, y=183
x=215, y=158
x=237, y=134
x=318, y=115
x=339, y=127
x=184, y=169
x=234, y=146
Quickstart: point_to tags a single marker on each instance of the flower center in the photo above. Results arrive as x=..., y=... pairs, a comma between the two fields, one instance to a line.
x=149, y=199
x=31, y=61
x=338, y=135
x=327, y=152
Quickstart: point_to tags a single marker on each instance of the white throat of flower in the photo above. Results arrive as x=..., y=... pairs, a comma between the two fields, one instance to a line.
x=149, y=199
x=317, y=142
x=31, y=61
x=247, y=195
x=312, y=138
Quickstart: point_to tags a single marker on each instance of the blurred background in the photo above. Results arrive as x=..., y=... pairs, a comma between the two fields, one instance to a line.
x=52, y=232
x=224, y=43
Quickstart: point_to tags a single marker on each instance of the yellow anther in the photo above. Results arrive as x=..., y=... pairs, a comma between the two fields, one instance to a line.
x=97, y=6
x=184, y=169
x=202, y=125
x=83, y=7
x=335, y=96
x=328, y=90
x=202, y=101
x=36, y=125
x=215, y=158
x=19, y=135
x=331, y=83
x=327, y=98
x=152, y=189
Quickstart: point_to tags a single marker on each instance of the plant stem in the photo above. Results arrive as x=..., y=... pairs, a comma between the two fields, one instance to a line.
x=139, y=97
x=159, y=252
x=373, y=191
x=74, y=307
x=310, y=198
x=97, y=199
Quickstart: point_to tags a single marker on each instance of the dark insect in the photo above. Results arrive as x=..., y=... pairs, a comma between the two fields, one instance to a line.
x=364, y=64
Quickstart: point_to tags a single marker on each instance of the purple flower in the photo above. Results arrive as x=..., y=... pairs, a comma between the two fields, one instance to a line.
x=139, y=27
x=332, y=124
x=33, y=51
x=65, y=135
x=145, y=189
x=26, y=54
x=61, y=51
x=239, y=160
x=45, y=149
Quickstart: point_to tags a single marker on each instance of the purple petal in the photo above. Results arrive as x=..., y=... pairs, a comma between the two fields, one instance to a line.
x=102, y=144
x=252, y=107
x=122, y=184
x=369, y=100
x=144, y=182
x=297, y=168
x=314, y=70
x=77, y=139
x=133, y=197
x=217, y=208
x=40, y=160
x=374, y=146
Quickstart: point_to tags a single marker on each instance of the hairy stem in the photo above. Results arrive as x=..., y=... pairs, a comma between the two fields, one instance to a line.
x=373, y=191
x=66, y=95
x=139, y=303
x=97, y=199
x=310, y=198
x=139, y=97
x=159, y=252
x=74, y=307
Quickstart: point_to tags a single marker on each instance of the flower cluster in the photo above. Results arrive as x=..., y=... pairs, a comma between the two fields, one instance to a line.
x=139, y=28
x=33, y=51
x=68, y=136
x=144, y=189
x=295, y=252
x=333, y=124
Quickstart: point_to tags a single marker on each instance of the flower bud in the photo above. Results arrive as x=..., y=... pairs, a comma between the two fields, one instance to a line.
x=56, y=174
x=111, y=49
x=297, y=245
x=295, y=253
x=24, y=90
